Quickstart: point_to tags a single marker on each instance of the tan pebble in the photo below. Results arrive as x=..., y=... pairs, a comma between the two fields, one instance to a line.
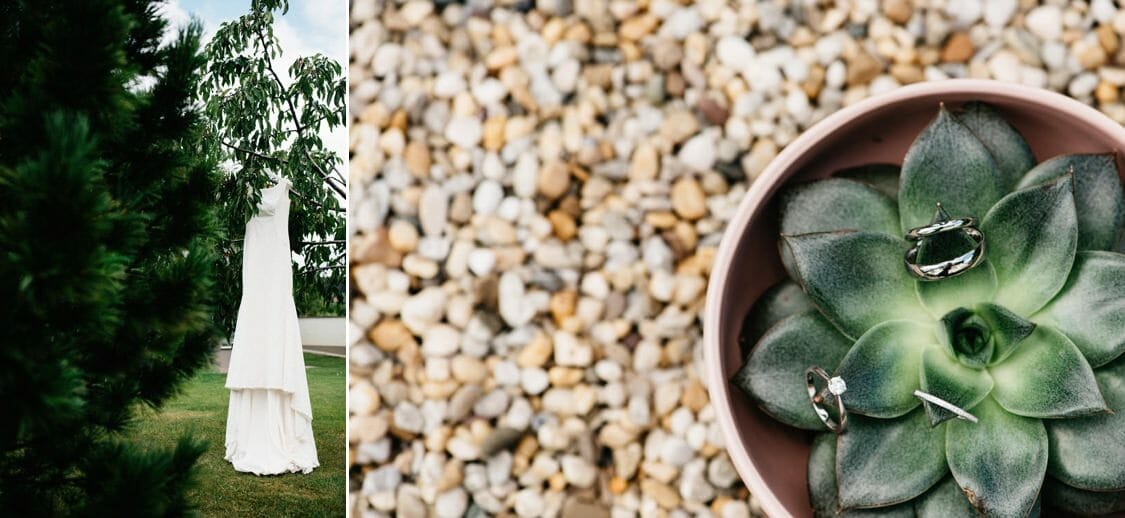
x=1106, y=93
x=862, y=68
x=553, y=30
x=686, y=235
x=451, y=475
x=1108, y=39
x=417, y=158
x=688, y=199
x=674, y=84
x=468, y=369
x=536, y=352
x=814, y=82
x=527, y=447
x=678, y=125
x=398, y=120
x=898, y=11
x=1089, y=55
x=562, y=304
x=694, y=396
x=493, y=138
x=760, y=155
x=390, y=335
x=439, y=389
x=501, y=57
x=403, y=236
x=637, y=27
x=719, y=503
x=557, y=482
x=618, y=485
x=958, y=48
x=564, y=376
x=364, y=399
x=562, y=224
x=645, y=164
x=578, y=33
x=907, y=74
x=375, y=114
x=374, y=248
x=664, y=496
x=367, y=428
x=554, y=179
x=661, y=219
x=461, y=208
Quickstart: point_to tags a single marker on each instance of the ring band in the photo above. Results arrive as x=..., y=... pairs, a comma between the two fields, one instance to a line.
x=834, y=387
x=958, y=411
x=951, y=267
x=941, y=227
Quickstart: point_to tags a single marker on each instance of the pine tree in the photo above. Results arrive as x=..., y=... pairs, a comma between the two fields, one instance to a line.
x=107, y=239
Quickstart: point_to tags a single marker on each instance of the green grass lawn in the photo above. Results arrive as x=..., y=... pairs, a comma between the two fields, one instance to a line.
x=201, y=409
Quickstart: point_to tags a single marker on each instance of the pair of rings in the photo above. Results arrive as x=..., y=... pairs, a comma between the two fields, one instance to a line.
x=835, y=387
x=951, y=267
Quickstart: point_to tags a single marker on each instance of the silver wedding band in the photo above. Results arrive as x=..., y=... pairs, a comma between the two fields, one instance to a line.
x=951, y=267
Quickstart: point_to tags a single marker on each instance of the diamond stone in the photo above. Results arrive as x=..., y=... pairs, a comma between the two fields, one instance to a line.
x=837, y=386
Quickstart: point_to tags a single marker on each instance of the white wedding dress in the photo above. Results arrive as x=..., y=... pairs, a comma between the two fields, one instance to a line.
x=269, y=420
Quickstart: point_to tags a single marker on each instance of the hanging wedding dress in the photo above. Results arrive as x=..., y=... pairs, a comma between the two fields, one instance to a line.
x=269, y=420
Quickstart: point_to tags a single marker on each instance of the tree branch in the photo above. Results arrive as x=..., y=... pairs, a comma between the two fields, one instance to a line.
x=293, y=112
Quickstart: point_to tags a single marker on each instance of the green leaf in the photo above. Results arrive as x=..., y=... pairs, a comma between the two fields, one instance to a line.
x=973, y=286
x=943, y=501
x=1000, y=461
x=881, y=177
x=822, y=485
x=946, y=378
x=882, y=368
x=1007, y=146
x=1097, y=195
x=857, y=279
x=783, y=299
x=1082, y=503
x=1090, y=309
x=1046, y=377
x=1008, y=329
x=836, y=204
x=1089, y=452
x=947, y=164
x=774, y=375
x=883, y=462
x=1030, y=238
x=967, y=337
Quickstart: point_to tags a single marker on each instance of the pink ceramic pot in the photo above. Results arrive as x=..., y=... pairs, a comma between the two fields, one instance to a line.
x=770, y=457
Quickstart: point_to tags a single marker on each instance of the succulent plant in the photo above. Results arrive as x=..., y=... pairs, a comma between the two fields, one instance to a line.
x=1029, y=341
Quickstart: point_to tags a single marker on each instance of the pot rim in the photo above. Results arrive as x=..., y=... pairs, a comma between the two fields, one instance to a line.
x=759, y=192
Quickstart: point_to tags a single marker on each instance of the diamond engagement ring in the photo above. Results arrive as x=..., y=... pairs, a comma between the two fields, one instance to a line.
x=834, y=388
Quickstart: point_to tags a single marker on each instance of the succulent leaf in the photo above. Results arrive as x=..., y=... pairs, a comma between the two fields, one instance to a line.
x=1082, y=503
x=882, y=177
x=947, y=164
x=971, y=287
x=1046, y=377
x=1090, y=309
x=856, y=278
x=1031, y=236
x=822, y=485
x=781, y=300
x=1087, y=452
x=774, y=375
x=881, y=462
x=943, y=501
x=1000, y=461
x=1097, y=195
x=882, y=369
x=1008, y=329
x=946, y=378
x=1007, y=146
x=967, y=337
x=836, y=204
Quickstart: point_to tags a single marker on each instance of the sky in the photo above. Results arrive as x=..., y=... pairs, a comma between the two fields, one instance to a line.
x=310, y=27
